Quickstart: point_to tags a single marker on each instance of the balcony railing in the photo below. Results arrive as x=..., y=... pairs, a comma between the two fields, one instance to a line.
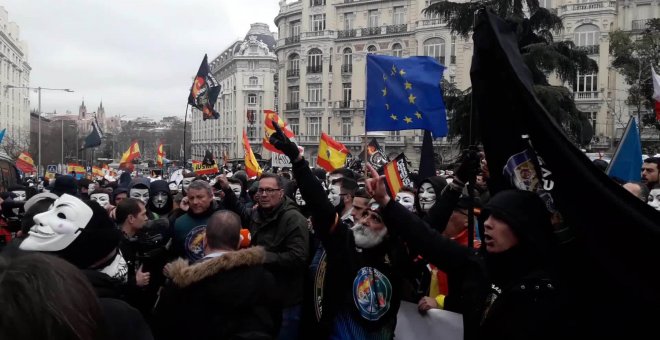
x=313, y=104
x=586, y=95
x=316, y=34
x=315, y=69
x=349, y=139
x=292, y=40
x=292, y=106
x=347, y=68
x=391, y=29
x=592, y=49
x=349, y=104
x=294, y=6
x=370, y=31
x=430, y=22
x=293, y=73
x=441, y=59
x=638, y=25
x=253, y=87
x=587, y=6
x=346, y=34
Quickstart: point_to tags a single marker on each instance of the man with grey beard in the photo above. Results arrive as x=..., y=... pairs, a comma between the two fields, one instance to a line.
x=364, y=264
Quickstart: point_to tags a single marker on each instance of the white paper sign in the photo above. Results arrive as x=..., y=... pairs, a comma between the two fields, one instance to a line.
x=435, y=324
x=280, y=160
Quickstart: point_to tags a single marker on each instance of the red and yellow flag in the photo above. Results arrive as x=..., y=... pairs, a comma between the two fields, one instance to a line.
x=332, y=154
x=25, y=163
x=269, y=129
x=127, y=158
x=97, y=171
x=397, y=174
x=251, y=165
x=160, y=155
x=76, y=168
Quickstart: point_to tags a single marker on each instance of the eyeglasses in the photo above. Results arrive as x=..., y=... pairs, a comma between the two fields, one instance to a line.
x=268, y=191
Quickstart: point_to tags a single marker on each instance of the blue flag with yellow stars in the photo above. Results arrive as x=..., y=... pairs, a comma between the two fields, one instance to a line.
x=405, y=94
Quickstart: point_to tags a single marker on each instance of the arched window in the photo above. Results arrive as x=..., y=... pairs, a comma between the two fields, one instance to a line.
x=314, y=61
x=397, y=50
x=254, y=81
x=586, y=37
x=371, y=49
x=294, y=66
x=435, y=47
x=347, y=65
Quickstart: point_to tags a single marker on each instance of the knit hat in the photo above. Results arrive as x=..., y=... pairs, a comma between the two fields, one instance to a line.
x=65, y=185
x=85, y=234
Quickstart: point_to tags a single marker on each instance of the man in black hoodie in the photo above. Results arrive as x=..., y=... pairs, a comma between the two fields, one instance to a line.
x=160, y=198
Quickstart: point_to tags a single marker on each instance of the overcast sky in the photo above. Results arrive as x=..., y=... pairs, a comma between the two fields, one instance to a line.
x=139, y=57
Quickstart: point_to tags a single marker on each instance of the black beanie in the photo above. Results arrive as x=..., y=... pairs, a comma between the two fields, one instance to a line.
x=65, y=185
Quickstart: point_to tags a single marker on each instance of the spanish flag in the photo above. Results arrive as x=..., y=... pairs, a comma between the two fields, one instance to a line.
x=332, y=154
x=251, y=166
x=127, y=158
x=397, y=175
x=269, y=129
x=76, y=168
x=160, y=155
x=25, y=163
x=97, y=171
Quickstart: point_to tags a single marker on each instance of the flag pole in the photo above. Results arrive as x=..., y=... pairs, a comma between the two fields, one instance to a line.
x=185, y=127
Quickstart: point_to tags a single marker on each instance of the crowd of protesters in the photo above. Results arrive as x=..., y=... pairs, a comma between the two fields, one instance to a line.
x=301, y=254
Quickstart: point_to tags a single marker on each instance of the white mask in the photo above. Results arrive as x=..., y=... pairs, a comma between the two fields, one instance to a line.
x=91, y=187
x=367, y=238
x=332, y=178
x=299, y=200
x=426, y=196
x=58, y=227
x=102, y=199
x=236, y=188
x=141, y=194
x=160, y=200
x=333, y=195
x=654, y=199
x=185, y=183
x=406, y=199
x=20, y=195
x=173, y=187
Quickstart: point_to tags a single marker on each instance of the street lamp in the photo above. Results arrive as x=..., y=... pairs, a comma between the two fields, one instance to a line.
x=7, y=87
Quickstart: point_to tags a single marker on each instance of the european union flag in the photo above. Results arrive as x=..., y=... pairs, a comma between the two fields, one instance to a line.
x=405, y=94
x=627, y=159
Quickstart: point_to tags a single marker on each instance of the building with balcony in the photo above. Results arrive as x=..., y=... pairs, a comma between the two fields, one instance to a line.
x=15, y=71
x=321, y=54
x=246, y=71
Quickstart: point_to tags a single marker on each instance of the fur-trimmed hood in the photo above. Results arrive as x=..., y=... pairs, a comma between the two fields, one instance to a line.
x=184, y=274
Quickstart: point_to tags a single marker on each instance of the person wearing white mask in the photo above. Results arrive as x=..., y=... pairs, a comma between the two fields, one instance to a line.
x=654, y=197
x=406, y=197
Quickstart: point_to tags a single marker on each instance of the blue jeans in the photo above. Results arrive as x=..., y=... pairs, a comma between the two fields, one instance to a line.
x=290, y=323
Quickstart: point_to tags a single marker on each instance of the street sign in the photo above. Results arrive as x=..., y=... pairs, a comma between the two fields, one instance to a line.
x=52, y=168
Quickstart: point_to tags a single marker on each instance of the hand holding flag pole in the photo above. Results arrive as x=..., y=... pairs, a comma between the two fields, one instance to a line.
x=280, y=141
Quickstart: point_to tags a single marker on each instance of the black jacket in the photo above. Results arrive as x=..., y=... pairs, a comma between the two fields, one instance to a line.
x=226, y=297
x=284, y=235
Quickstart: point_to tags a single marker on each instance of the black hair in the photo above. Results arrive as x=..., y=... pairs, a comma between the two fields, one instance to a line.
x=362, y=193
x=279, y=179
x=128, y=207
x=655, y=160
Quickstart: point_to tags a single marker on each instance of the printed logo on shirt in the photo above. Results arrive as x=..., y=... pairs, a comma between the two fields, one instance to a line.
x=194, y=244
x=372, y=292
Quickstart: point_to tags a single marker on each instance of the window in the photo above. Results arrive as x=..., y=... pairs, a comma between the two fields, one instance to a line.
x=435, y=47
x=294, y=94
x=294, y=124
x=346, y=94
x=452, y=53
x=252, y=64
x=294, y=66
x=373, y=18
x=313, y=3
x=252, y=99
x=586, y=37
x=254, y=81
x=317, y=22
x=313, y=126
x=251, y=131
x=314, y=61
x=397, y=50
x=398, y=16
x=545, y=3
x=371, y=49
x=592, y=119
x=295, y=28
x=586, y=86
x=349, y=20
x=314, y=92
x=347, y=61
x=346, y=123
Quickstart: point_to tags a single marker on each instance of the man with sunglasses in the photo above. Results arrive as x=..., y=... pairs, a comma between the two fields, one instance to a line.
x=364, y=264
x=278, y=226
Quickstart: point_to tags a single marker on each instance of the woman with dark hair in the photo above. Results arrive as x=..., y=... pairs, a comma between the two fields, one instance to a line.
x=45, y=297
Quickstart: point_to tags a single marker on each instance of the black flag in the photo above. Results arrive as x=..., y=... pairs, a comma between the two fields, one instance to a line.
x=94, y=138
x=208, y=158
x=204, y=91
x=426, y=159
x=611, y=262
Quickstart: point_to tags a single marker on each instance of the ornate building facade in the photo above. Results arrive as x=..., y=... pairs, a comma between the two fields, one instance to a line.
x=246, y=71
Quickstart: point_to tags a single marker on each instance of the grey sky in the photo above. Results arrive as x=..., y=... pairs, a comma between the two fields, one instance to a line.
x=137, y=56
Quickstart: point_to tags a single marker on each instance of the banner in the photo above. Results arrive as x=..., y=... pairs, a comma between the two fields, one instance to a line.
x=200, y=168
x=397, y=174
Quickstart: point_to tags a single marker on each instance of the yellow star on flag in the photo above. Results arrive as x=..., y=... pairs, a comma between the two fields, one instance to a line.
x=408, y=85
x=393, y=68
x=387, y=106
x=408, y=120
x=385, y=91
x=393, y=116
x=402, y=72
x=419, y=115
x=411, y=99
x=384, y=76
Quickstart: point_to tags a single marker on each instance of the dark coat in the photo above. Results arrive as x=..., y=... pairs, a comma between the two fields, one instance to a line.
x=226, y=297
x=284, y=235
